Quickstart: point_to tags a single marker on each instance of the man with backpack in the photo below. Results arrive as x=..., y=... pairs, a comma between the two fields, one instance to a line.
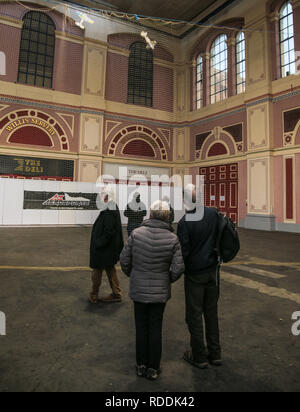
x=198, y=237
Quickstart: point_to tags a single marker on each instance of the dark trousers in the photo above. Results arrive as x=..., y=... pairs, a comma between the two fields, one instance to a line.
x=148, y=323
x=202, y=301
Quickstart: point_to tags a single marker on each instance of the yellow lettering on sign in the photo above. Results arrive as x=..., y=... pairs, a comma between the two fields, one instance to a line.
x=40, y=123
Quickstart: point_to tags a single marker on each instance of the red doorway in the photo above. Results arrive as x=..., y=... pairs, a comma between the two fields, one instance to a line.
x=221, y=188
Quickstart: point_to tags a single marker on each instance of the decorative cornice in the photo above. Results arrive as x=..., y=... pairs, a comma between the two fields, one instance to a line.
x=69, y=37
x=10, y=21
x=157, y=123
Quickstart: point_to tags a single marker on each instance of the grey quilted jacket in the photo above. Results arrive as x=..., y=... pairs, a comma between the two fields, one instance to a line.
x=152, y=258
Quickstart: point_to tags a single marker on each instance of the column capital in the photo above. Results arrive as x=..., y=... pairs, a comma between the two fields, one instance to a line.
x=206, y=56
x=274, y=17
x=295, y=4
x=231, y=41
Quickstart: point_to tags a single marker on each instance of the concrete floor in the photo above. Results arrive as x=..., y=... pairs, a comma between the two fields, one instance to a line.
x=57, y=341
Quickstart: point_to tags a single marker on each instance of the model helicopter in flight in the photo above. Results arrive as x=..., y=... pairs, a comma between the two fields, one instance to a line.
x=150, y=43
x=84, y=19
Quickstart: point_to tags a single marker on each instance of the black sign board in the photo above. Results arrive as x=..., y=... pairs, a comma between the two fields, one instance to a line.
x=36, y=167
x=59, y=200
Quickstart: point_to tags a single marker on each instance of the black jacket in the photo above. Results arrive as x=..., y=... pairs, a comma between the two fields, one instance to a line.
x=198, y=243
x=152, y=258
x=135, y=212
x=107, y=239
x=172, y=215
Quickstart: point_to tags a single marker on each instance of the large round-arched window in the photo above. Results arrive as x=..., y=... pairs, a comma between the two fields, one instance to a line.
x=36, y=58
x=140, y=75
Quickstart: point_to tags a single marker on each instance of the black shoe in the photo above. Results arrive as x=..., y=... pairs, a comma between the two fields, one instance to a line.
x=216, y=362
x=188, y=357
x=153, y=374
x=141, y=371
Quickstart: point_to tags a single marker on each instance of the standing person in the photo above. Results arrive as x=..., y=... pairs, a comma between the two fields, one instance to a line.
x=172, y=213
x=135, y=212
x=198, y=242
x=153, y=260
x=106, y=246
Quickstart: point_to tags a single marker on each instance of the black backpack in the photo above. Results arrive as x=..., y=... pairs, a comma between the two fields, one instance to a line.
x=228, y=242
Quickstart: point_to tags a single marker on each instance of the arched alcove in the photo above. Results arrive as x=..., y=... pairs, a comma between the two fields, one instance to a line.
x=218, y=149
x=138, y=147
x=31, y=135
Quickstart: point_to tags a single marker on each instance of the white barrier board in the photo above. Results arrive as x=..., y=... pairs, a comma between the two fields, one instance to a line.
x=12, y=211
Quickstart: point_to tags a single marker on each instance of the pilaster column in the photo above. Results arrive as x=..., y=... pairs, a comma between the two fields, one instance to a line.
x=231, y=43
x=193, y=85
x=206, y=79
x=296, y=10
x=275, y=45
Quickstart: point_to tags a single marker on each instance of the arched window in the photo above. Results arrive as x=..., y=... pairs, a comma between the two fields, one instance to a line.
x=37, y=50
x=219, y=70
x=240, y=63
x=199, y=82
x=287, y=44
x=140, y=75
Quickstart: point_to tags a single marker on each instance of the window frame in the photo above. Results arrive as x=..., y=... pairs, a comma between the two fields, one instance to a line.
x=140, y=78
x=223, y=93
x=286, y=40
x=199, y=82
x=240, y=61
x=37, y=50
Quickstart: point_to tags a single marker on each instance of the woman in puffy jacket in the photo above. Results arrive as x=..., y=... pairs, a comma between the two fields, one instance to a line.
x=153, y=260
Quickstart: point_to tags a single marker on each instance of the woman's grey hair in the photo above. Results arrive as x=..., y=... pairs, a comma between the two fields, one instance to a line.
x=160, y=210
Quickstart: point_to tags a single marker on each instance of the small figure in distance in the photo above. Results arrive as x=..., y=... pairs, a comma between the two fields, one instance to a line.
x=135, y=212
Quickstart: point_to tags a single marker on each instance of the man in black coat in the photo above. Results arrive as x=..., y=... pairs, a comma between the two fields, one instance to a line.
x=198, y=242
x=135, y=212
x=106, y=246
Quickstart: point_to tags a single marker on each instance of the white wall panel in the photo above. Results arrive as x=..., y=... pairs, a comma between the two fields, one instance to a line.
x=12, y=198
x=13, y=202
x=1, y=199
x=84, y=217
